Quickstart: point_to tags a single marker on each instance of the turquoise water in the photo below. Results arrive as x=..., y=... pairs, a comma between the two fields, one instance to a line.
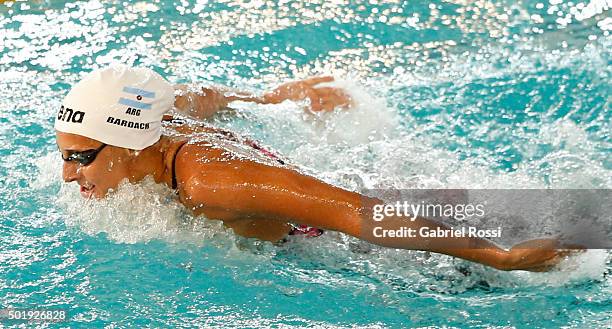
x=484, y=94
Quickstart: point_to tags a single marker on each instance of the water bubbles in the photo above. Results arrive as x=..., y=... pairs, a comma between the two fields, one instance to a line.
x=135, y=214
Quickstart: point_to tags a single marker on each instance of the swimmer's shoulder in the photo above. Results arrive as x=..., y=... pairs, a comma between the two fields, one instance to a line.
x=196, y=158
x=198, y=169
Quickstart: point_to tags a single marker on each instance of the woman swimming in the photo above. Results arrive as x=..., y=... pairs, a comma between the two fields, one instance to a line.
x=109, y=128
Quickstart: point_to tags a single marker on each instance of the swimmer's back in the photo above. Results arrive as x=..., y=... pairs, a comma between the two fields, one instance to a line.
x=234, y=145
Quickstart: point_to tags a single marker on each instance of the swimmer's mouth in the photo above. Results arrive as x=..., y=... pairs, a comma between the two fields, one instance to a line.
x=87, y=191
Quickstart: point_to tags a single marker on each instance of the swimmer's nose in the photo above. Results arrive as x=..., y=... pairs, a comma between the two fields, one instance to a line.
x=69, y=172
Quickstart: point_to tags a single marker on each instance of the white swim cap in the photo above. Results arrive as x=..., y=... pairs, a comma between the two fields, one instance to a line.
x=119, y=105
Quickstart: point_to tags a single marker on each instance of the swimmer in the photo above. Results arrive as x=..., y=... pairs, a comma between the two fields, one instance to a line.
x=110, y=127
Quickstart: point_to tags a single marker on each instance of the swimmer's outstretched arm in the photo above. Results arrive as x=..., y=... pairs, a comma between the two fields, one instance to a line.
x=203, y=102
x=254, y=190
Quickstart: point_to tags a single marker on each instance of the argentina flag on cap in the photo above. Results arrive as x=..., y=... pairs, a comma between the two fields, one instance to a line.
x=139, y=94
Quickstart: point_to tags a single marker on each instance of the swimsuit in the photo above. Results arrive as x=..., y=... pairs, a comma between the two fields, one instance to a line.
x=174, y=183
x=306, y=230
x=299, y=229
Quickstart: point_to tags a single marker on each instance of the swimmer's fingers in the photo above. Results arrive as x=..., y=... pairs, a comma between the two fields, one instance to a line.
x=550, y=264
x=316, y=102
x=316, y=80
x=332, y=103
x=327, y=103
x=539, y=254
x=332, y=98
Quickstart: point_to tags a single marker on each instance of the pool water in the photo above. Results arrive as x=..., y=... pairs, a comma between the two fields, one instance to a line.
x=456, y=94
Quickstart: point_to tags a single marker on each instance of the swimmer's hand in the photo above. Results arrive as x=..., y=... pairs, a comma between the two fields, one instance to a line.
x=321, y=98
x=539, y=255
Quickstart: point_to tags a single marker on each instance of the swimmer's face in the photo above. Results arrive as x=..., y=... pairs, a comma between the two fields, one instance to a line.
x=109, y=168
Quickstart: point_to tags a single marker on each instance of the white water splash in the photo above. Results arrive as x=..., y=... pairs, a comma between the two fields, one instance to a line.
x=137, y=213
x=369, y=119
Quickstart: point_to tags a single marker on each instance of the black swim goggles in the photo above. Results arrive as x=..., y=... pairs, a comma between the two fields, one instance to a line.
x=84, y=158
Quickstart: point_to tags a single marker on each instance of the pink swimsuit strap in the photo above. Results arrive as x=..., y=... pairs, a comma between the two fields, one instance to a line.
x=306, y=230
x=269, y=154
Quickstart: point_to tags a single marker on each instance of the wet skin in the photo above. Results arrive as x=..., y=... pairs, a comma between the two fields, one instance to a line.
x=258, y=197
x=225, y=179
